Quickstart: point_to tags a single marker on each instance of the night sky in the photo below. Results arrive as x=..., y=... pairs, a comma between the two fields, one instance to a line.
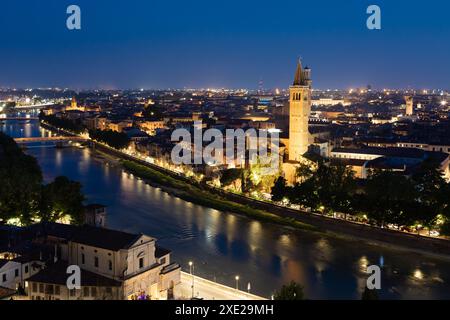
x=232, y=43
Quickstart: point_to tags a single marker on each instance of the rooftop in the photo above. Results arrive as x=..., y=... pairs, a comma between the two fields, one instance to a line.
x=57, y=274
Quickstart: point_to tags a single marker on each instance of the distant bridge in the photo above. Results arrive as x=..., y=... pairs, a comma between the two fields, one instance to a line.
x=19, y=118
x=49, y=139
x=35, y=106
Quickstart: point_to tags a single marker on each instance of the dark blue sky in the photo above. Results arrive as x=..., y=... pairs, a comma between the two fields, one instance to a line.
x=232, y=43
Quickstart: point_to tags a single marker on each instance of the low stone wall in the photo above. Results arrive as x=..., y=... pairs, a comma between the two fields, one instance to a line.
x=396, y=238
x=407, y=241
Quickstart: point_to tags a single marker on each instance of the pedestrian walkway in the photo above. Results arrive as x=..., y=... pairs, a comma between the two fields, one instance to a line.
x=209, y=290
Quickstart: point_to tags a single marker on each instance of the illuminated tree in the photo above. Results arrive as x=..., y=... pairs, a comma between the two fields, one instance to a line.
x=292, y=291
x=279, y=189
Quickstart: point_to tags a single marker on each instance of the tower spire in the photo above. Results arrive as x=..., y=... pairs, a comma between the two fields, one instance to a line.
x=299, y=79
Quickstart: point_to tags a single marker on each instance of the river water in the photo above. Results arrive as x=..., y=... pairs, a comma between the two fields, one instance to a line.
x=223, y=245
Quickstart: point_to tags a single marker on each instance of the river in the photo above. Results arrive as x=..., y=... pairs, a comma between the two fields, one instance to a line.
x=223, y=245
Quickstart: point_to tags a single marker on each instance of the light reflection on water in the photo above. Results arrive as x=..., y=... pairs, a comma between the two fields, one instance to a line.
x=223, y=245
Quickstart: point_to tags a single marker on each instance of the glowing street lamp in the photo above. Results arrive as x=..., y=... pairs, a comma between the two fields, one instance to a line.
x=191, y=271
x=237, y=282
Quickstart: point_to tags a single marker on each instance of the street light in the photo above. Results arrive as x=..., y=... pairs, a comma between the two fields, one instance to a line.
x=237, y=282
x=191, y=271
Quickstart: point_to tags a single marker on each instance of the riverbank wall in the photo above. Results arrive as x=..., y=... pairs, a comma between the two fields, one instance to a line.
x=341, y=228
x=411, y=242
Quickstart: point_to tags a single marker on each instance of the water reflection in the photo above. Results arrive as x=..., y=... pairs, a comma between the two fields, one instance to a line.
x=223, y=245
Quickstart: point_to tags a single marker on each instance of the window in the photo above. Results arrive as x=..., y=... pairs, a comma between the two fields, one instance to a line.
x=93, y=291
x=96, y=262
x=163, y=260
x=72, y=292
x=110, y=265
x=26, y=269
x=86, y=291
x=108, y=290
x=41, y=288
x=34, y=287
x=4, y=277
x=49, y=289
x=16, y=273
x=141, y=263
x=82, y=258
x=57, y=290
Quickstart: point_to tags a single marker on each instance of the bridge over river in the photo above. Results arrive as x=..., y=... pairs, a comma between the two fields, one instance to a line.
x=55, y=139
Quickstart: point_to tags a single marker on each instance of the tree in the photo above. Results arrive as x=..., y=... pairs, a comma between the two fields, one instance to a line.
x=61, y=198
x=292, y=291
x=279, y=189
x=117, y=140
x=303, y=172
x=369, y=294
x=21, y=180
x=305, y=194
x=23, y=195
x=335, y=186
x=389, y=198
x=430, y=188
x=72, y=125
x=230, y=176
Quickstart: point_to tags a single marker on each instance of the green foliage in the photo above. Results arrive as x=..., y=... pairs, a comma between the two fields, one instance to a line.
x=292, y=291
x=118, y=140
x=72, y=125
x=279, y=189
x=21, y=180
x=22, y=194
x=230, y=176
x=387, y=197
x=304, y=172
x=62, y=197
x=430, y=192
x=369, y=294
x=445, y=228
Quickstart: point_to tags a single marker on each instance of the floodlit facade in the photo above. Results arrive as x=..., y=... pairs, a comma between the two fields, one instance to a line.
x=299, y=111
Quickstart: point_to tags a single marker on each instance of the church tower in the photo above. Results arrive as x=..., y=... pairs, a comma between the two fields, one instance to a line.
x=409, y=106
x=299, y=111
x=73, y=104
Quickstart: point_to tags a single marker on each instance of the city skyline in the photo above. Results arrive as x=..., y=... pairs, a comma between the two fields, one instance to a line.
x=200, y=45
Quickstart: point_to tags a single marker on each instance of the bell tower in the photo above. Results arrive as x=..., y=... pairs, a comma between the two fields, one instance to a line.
x=299, y=111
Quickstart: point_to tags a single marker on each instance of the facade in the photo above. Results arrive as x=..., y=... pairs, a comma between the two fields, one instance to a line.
x=299, y=111
x=404, y=160
x=151, y=126
x=95, y=215
x=113, y=264
x=409, y=106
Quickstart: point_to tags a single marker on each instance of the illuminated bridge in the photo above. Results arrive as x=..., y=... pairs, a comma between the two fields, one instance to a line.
x=19, y=118
x=49, y=139
x=34, y=106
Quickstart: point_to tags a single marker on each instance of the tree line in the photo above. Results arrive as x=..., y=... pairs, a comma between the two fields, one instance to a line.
x=385, y=197
x=75, y=126
x=24, y=196
x=118, y=140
